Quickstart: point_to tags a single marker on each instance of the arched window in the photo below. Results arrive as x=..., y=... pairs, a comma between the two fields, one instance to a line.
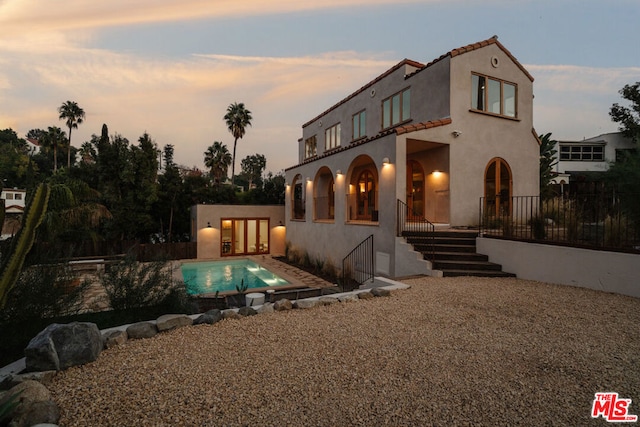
x=324, y=195
x=497, y=188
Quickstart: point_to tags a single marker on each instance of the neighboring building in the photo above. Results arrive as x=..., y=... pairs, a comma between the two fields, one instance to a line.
x=437, y=137
x=14, y=203
x=14, y=200
x=579, y=158
x=33, y=146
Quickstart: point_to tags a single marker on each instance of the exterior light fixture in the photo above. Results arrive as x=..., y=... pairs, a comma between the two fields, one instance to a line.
x=338, y=172
x=308, y=179
x=386, y=161
x=436, y=173
x=280, y=223
x=208, y=224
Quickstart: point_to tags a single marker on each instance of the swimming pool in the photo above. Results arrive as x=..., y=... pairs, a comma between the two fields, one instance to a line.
x=212, y=276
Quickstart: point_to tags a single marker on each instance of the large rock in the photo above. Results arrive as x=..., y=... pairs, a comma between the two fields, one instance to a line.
x=33, y=405
x=327, y=300
x=141, y=330
x=380, y=292
x=210, y=317
x=171, y=321
x=365, y=295
x=247, y=311
x=348, y=298
x=230, y=314
x=267, y=307
x=306, y=303
x=59, y=347
x=283, y=304
x=113, y=338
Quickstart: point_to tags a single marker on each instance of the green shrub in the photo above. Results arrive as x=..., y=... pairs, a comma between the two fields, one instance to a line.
x=131, y=284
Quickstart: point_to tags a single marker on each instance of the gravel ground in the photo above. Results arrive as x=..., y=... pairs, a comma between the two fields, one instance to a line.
x=448, y=351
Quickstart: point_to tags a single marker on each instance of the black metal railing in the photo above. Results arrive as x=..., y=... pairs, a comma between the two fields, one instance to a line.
x=358, y=265
x=410, y=224
x=599, y=221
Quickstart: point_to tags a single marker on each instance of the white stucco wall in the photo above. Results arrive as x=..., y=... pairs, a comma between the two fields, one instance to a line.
x=600, y=270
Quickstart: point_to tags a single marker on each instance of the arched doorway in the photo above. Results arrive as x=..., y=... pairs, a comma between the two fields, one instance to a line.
x=366, y=188
x=497, y=188
x=415, y=190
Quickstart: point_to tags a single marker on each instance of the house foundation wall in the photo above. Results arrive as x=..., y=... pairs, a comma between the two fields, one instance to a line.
x=600, y=270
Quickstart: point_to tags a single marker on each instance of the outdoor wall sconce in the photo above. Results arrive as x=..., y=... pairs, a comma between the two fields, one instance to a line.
x=338, y=172
x=280, y=223
x=208, y=224
x=456, y=133
x=386, y=161
x=436, y=173
x=308, y=179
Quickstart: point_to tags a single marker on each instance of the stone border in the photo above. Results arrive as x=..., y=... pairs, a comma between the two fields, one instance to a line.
x=13, y=378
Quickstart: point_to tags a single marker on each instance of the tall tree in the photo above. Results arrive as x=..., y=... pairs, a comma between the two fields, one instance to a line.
x=625, y=174
x=237, y=120
x=53, y=139
x=73, y=116
x=547, y=160
x=628, y=117
x=252, y=167
x=217, y=159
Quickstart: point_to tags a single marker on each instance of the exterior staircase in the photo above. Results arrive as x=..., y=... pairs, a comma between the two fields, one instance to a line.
x=454, y=253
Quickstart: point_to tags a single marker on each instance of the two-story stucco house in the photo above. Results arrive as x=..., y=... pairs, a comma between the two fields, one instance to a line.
x=430, y=139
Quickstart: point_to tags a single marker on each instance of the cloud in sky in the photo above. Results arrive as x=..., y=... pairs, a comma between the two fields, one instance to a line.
x=48, y=55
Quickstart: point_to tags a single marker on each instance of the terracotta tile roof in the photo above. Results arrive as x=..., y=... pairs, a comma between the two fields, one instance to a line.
x=473, y=46
x=33, y=141
x=423, y=125
x=368, y=85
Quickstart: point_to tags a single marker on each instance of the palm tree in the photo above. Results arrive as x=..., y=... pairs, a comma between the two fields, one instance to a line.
x=54, y=138
x=237, y=119
x=218, y=159
x=74, y=115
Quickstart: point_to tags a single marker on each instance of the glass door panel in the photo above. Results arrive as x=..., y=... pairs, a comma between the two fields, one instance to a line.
x=263, y=236
x=252, y=234
x=239, y=236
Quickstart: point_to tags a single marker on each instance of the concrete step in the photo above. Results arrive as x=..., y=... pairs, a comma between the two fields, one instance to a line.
x=475, y=273
x=466, y=265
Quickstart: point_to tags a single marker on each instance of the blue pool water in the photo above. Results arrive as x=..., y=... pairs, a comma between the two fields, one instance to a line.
x=212, y=276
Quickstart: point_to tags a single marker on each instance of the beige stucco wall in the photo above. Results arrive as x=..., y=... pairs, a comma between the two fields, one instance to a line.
x=484, y=137
x=600, y=270
x=208, y=238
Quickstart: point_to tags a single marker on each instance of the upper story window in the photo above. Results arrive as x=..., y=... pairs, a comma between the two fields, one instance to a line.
x=359, y=127
x=18, y=196
x=332, y=137
x=310, y=147
x=8, y=196
x=584, y=153
x=493, y=95
x=396, y=109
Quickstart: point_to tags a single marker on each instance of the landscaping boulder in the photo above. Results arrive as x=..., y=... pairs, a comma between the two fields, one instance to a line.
x=141, y=330
x=230, y=314
x=267, y=307
x=172, y=321
x=34, y=405
x=348, y=298
x=365, y=295
x=247, y=311
x=114, y=338
x=305, y=303
x=210, y=317
x=59, y=347
x=283, y=304
x=380, y=292
x=327, y=300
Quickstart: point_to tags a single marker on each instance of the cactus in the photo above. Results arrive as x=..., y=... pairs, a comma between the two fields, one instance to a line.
x=21, y=244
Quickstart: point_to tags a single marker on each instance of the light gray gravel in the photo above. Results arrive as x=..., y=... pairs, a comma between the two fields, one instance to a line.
x=459, y=351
